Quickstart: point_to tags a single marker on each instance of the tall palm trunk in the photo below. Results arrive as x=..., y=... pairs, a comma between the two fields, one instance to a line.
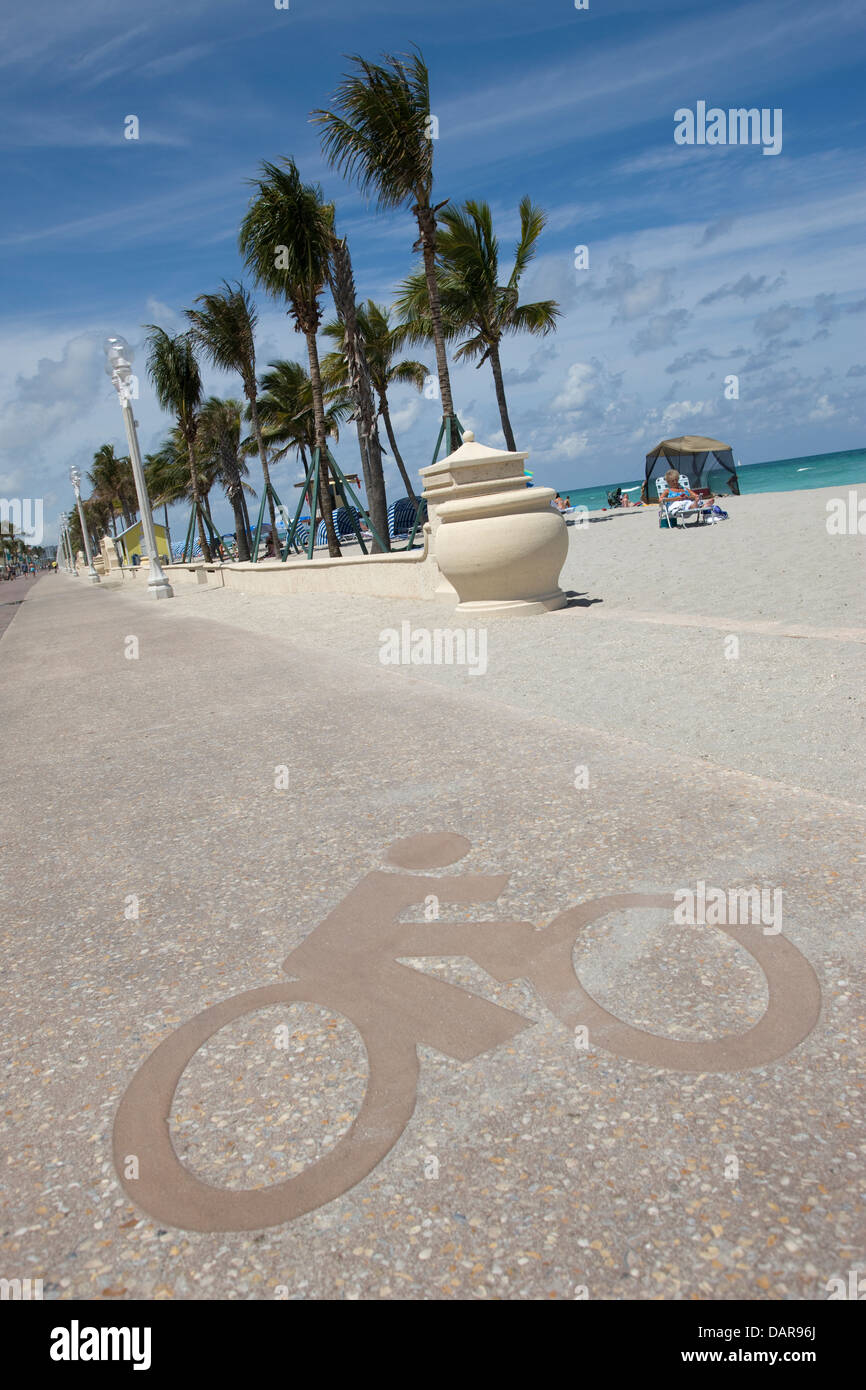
x=252, y=397
x=247, y=528
x=235, y=494
x=237, y=504
x=324, y=472
x=196, y=502
x=343, y=289
x=398, y=458
x=427, y=227
x=496, y=366
x=167, y=531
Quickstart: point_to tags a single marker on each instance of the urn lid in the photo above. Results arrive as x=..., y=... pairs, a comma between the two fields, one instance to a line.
x=470, y=454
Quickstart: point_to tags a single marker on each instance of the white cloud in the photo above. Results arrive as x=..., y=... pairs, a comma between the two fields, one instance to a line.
x=823, y=410
x=164, y=316
x=633, y=293
x=405, y=416
x=569, y=446
x=683, y=410
x=59, y=391
x=661, y=331
x=581, y=386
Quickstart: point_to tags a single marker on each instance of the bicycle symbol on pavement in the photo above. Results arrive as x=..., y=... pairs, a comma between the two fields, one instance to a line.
x=350, y=965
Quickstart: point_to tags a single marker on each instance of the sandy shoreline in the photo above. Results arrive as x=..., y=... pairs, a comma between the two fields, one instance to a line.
x=641, y=650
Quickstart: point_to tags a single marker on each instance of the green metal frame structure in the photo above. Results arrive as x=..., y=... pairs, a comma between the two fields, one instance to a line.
x=214, y=537
x=313, y=475
x=450, y=430
x=270, y=491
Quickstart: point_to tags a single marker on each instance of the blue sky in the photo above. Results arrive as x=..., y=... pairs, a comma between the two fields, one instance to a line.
x=704, y=261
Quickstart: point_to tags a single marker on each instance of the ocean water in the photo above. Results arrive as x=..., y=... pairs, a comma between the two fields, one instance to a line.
x=781, y=475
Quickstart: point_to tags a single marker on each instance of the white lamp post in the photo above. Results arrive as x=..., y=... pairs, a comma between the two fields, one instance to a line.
x=119, y=368
x=75, y=477
x=67, y=544
x=73, y=568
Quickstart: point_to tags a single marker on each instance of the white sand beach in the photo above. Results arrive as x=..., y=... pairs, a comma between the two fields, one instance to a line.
x=643, y=651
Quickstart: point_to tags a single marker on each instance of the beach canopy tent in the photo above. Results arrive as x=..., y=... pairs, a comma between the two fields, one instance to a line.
x=705, y=462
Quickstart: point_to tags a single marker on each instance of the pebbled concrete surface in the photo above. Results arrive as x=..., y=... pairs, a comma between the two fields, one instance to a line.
x=557, y=1169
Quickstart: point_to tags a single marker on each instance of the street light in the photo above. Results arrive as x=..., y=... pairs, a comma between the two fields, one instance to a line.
x=118, y=366
x=67, y=544
x=75, y=477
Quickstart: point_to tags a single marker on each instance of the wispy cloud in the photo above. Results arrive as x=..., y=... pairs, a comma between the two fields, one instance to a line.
x=174, y=62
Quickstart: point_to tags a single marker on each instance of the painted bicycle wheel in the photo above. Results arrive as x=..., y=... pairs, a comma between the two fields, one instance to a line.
x=166, y=1189
x=793, y=1005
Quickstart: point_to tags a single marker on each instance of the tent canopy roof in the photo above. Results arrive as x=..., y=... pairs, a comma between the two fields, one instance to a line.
x=687, y=444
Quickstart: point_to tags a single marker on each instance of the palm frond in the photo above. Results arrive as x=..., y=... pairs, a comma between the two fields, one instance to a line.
x=174, y=372
x=532, y=222
x=286, y=237
x=377, y=136
x=539, y=318
x=408, y=373
x=286, y=407
x=224, y=327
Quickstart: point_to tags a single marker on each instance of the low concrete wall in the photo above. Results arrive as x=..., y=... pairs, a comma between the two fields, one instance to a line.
x=401, y=574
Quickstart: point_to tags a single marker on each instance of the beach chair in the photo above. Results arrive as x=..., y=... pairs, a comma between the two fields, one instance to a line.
x=342, y=526
x=697, y=516
x=401, y=517
x=679, y=519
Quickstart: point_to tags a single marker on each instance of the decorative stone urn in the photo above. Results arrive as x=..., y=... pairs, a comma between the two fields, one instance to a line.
x=499, y=543
x=110, y=558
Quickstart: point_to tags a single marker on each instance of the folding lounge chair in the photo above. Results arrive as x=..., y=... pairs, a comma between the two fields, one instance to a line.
x=670, y=518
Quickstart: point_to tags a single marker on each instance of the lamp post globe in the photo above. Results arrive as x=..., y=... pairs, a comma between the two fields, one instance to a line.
x=117, y=352
x=118, y=365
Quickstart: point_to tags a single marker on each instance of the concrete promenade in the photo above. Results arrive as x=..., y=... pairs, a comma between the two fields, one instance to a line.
x=12, y=593
x=157, y=858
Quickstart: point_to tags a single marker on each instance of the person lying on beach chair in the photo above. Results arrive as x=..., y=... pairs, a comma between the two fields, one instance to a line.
x=677, y=499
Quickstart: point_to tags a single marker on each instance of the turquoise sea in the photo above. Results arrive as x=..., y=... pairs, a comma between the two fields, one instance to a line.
x=779, y=475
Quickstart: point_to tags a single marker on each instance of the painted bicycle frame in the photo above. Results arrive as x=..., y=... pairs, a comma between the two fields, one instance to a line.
x=350, y=964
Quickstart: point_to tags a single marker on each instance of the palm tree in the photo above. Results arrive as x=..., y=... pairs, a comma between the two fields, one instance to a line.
x=93, y=512
x=286, y=409
x=99, y=515
x=112, y=481
x=166, y=476
x=379, y=135
x=381, y=345
x=286, y=238
x=342, y=282
x=167, y=472
x=174, y=371
x=218, y=446
x=472, y=300
x=225, y=329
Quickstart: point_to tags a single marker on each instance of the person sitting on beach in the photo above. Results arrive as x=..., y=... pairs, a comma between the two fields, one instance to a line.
x=681, y=497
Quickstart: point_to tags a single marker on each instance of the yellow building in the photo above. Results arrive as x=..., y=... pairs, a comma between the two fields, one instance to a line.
x=130, y=544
